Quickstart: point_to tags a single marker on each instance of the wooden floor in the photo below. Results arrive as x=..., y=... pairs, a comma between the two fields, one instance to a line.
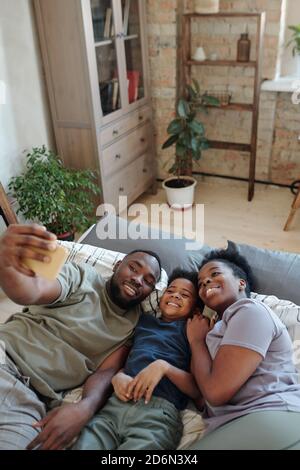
x=228, y=215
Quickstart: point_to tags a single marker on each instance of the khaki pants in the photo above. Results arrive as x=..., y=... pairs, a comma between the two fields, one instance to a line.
x=133, y=426
x=260, y=430
x=20, y=407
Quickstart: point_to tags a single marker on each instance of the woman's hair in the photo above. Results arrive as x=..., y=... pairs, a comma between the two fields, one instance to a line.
x=238, y=264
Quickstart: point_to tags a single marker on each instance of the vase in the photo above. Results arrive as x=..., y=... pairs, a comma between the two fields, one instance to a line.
x=206, y=6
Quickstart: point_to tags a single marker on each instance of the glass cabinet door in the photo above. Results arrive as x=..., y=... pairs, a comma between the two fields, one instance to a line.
x=106, y=55
x=133, y=49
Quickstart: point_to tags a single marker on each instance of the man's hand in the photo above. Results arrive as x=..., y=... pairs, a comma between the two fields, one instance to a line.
x=120, y=382
x=145, y=381
x=60, y=426
x=18, y=242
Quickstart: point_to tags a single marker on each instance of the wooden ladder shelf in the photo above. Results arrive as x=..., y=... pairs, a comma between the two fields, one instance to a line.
x=253, y=107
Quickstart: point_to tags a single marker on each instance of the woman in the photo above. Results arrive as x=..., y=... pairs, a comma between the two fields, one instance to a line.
x=243, y=364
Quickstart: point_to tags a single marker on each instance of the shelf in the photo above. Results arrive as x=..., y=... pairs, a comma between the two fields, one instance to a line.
x=233, y=107
x=218, y=144
x=221, y=63
x=132, y=36
x=223, y=15
x=105, y=42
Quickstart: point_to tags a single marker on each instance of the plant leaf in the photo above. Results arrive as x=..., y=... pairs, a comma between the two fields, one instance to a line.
x=170, y=141
x=183, y=108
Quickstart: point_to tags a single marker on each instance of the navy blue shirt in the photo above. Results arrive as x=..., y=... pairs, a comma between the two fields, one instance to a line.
x=157, y=339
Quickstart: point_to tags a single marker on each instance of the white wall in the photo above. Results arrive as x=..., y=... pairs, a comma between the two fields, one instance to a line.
x=24, y=115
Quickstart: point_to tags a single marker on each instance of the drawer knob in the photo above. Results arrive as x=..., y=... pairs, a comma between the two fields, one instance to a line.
x=141, y=117
x=143, y=139
x=121, y=189
x=115, y=132
x=145, y=170
x=118, y=156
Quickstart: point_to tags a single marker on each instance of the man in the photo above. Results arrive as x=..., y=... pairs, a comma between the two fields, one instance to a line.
x=75, y=326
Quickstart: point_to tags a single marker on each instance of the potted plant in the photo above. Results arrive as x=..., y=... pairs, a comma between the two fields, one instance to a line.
x=187, y=133
x=59, y=198
x=295, y=40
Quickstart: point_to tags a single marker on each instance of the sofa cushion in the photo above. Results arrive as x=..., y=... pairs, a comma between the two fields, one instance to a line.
x=276, y=272
x=171, y=250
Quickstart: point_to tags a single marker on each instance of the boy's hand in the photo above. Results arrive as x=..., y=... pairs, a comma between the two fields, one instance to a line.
x=145, y=381
x=18, y=242
x=120, y=382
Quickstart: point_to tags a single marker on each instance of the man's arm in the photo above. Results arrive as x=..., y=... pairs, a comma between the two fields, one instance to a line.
x=64, y=423
x=18, y=282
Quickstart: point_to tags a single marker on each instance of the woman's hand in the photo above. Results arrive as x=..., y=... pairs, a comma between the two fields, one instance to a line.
x=145, y=381
x=197, y=328
x=120, y=382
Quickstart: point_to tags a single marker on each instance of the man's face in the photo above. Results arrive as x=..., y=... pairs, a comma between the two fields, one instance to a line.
x=134, y=279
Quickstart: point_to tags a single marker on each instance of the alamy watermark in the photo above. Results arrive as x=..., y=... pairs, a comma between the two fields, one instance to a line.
x=189, y=223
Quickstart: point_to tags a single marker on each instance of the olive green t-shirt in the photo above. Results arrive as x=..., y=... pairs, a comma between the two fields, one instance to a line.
x=59, y=345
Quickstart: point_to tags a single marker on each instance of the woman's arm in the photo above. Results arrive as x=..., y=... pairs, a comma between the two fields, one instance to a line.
x=221, y=378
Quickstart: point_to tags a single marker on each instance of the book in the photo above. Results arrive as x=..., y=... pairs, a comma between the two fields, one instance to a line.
x=134, y=77
x=126, y=17
x=107, y=26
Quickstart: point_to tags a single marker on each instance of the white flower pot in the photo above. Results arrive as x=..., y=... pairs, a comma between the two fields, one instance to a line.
x=206, y=6
x=180, y=198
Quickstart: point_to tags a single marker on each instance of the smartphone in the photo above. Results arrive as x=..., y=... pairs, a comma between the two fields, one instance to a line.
x=48, y=270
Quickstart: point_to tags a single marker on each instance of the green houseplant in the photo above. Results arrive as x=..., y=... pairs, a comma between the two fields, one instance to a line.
x=187, y=134
x=60, y=198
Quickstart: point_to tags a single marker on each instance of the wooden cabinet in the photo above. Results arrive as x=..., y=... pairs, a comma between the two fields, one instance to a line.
x=96, y=67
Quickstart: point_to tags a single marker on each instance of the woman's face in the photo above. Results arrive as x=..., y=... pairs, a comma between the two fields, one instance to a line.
x=218, y=287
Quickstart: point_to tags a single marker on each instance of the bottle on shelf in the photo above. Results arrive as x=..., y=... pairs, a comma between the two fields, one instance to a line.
x=243, y=48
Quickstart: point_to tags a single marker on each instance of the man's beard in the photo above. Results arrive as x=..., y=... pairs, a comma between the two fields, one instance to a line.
x=117, y=298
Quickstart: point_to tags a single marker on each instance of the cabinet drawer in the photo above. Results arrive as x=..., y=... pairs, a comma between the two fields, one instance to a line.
x=130, y=181
x=125, y=150
x=119, y=128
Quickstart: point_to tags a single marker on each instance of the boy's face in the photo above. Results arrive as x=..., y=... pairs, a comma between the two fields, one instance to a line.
x=178, y=300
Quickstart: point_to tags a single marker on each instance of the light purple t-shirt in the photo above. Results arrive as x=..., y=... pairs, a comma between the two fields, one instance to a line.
x=274, y=384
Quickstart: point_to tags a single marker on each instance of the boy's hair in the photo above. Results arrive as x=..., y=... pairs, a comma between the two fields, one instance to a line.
x=150, y=253
x=179, y=273
x=238, y=264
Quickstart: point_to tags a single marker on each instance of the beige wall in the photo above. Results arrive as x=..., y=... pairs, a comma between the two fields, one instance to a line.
x=279, y=121
x=24, y=118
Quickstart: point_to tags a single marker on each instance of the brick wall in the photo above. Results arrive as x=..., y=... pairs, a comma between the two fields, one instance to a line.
x=278, y=153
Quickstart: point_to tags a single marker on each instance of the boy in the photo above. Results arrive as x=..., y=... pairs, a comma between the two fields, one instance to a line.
x=157, y=365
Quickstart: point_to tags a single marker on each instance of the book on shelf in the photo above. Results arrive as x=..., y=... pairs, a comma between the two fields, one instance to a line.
x=107, y=26
x=134, y=77
x=126, y=17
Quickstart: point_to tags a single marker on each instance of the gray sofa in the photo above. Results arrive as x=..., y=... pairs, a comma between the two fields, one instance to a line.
x=276, y=273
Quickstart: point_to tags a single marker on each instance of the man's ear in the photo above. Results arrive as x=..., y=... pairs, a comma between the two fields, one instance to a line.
x=243, y=284
x=116, y=266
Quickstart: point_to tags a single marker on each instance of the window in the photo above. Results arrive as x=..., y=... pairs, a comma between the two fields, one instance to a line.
x=290, y=16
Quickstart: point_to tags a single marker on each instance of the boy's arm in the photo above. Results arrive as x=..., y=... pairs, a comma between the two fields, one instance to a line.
x=63, y=424
x=147, y=379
